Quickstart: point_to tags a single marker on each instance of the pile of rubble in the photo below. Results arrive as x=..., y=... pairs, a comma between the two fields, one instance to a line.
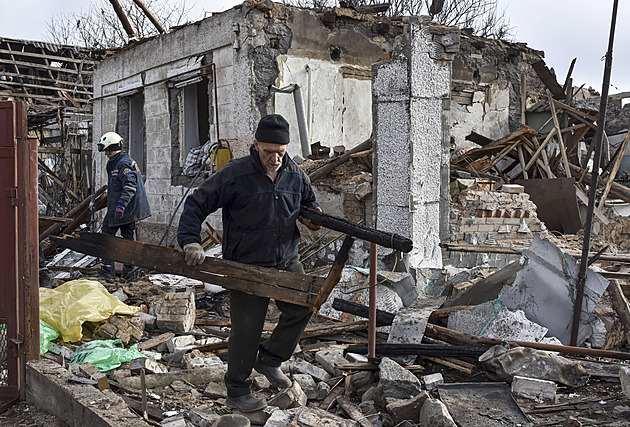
x=464, y=349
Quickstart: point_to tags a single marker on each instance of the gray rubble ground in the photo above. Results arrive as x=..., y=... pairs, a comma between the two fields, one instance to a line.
x=185, y=385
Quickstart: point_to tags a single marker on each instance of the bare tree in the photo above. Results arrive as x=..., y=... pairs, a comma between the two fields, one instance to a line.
x=100, y=28
x=483, y=16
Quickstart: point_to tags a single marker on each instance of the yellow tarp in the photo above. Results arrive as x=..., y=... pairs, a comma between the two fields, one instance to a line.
x=66, y=307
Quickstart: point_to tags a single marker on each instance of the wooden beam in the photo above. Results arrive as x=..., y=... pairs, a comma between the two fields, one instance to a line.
x=548, y=79
x=563, y=150
x=461, y=338
x=613, y=172
x=31, y=77
x=56, y=179
x=295, y=288
x=540, y=149
x=620, y=304
x=335, y=272
x=51, y=57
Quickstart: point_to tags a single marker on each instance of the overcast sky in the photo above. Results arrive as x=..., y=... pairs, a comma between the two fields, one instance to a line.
x=563, y=29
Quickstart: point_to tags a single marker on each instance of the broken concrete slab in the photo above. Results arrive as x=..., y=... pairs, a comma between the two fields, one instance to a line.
x=534, y=388
x=329, y=358
x=409, y=323
x=307, y=417
x=434, y=413
x=502, y=364
x=484, y=290
x=493, y=320
x=305, y=367
x=481, y=404
x=360, y=382
x=259, y=418
x=291, y=397
x=77, y=404
x=308, y=385
x=231, y=420
x=396, y=381
x=215, y=390
x=545, y=287
x=406, y=409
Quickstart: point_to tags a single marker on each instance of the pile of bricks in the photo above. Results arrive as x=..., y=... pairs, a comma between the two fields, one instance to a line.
x=494, y=218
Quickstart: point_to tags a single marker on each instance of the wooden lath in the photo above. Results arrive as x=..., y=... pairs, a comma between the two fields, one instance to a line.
x=48, y=76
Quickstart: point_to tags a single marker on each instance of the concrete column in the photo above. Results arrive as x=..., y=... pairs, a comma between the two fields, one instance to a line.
x=410, y=92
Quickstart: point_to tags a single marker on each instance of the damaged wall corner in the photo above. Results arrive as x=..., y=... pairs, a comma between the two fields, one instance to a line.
x=410, y=93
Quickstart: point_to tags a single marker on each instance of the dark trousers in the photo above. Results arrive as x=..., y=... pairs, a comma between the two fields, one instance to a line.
x=127, y=231
x=247, y=313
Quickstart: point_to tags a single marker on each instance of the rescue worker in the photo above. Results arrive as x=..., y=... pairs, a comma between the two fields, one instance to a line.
x=126, y=197
x=261, y=195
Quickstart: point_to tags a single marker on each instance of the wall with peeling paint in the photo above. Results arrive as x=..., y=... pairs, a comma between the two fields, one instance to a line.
x=253, y=47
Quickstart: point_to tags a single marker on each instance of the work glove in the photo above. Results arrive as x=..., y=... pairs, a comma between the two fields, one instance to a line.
x=310, y=224
x=194, y=254
x=120, y=211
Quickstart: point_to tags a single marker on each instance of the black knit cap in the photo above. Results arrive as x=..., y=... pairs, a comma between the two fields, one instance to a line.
x=273, y=129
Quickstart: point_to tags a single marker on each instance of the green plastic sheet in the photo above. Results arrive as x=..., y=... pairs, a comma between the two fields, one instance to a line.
x=47, y=334
x=66, y=307
x=105, y=355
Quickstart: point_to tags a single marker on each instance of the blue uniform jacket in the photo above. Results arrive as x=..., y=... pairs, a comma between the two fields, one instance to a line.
x=126, y=187
x=259, y=215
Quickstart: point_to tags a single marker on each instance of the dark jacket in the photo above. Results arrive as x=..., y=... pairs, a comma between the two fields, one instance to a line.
x=126, y=187
x=259, y=215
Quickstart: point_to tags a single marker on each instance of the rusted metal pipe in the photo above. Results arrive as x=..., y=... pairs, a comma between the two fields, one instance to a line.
x=462, y=338
x=149, y=15
x=123, y=19
x=588, y=225
x=372, y=304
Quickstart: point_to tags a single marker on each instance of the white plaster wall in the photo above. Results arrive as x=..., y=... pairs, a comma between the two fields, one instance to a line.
x=341, y=107
x=488, y=115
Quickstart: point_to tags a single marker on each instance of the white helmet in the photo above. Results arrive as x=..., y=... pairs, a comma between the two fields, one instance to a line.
x=110, y=141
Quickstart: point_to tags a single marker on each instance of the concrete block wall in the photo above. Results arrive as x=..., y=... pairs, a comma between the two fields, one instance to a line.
x=410, y=93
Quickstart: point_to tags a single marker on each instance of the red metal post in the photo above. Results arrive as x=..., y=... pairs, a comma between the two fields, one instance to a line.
x=10, y=338
x=19, y=305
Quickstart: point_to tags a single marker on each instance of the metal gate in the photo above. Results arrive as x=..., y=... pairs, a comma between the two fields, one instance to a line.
x=19, y=285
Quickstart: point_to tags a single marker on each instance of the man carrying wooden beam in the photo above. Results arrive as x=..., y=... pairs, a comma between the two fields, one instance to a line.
x=261, y=196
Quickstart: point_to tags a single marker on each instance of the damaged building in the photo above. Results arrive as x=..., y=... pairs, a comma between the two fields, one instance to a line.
x=462, y=158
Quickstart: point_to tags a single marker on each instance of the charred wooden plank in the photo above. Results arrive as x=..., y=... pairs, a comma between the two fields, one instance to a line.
x=548, y=79
x=403, y=349
x=381, y=238
x=383, y=318
x=286, y=286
